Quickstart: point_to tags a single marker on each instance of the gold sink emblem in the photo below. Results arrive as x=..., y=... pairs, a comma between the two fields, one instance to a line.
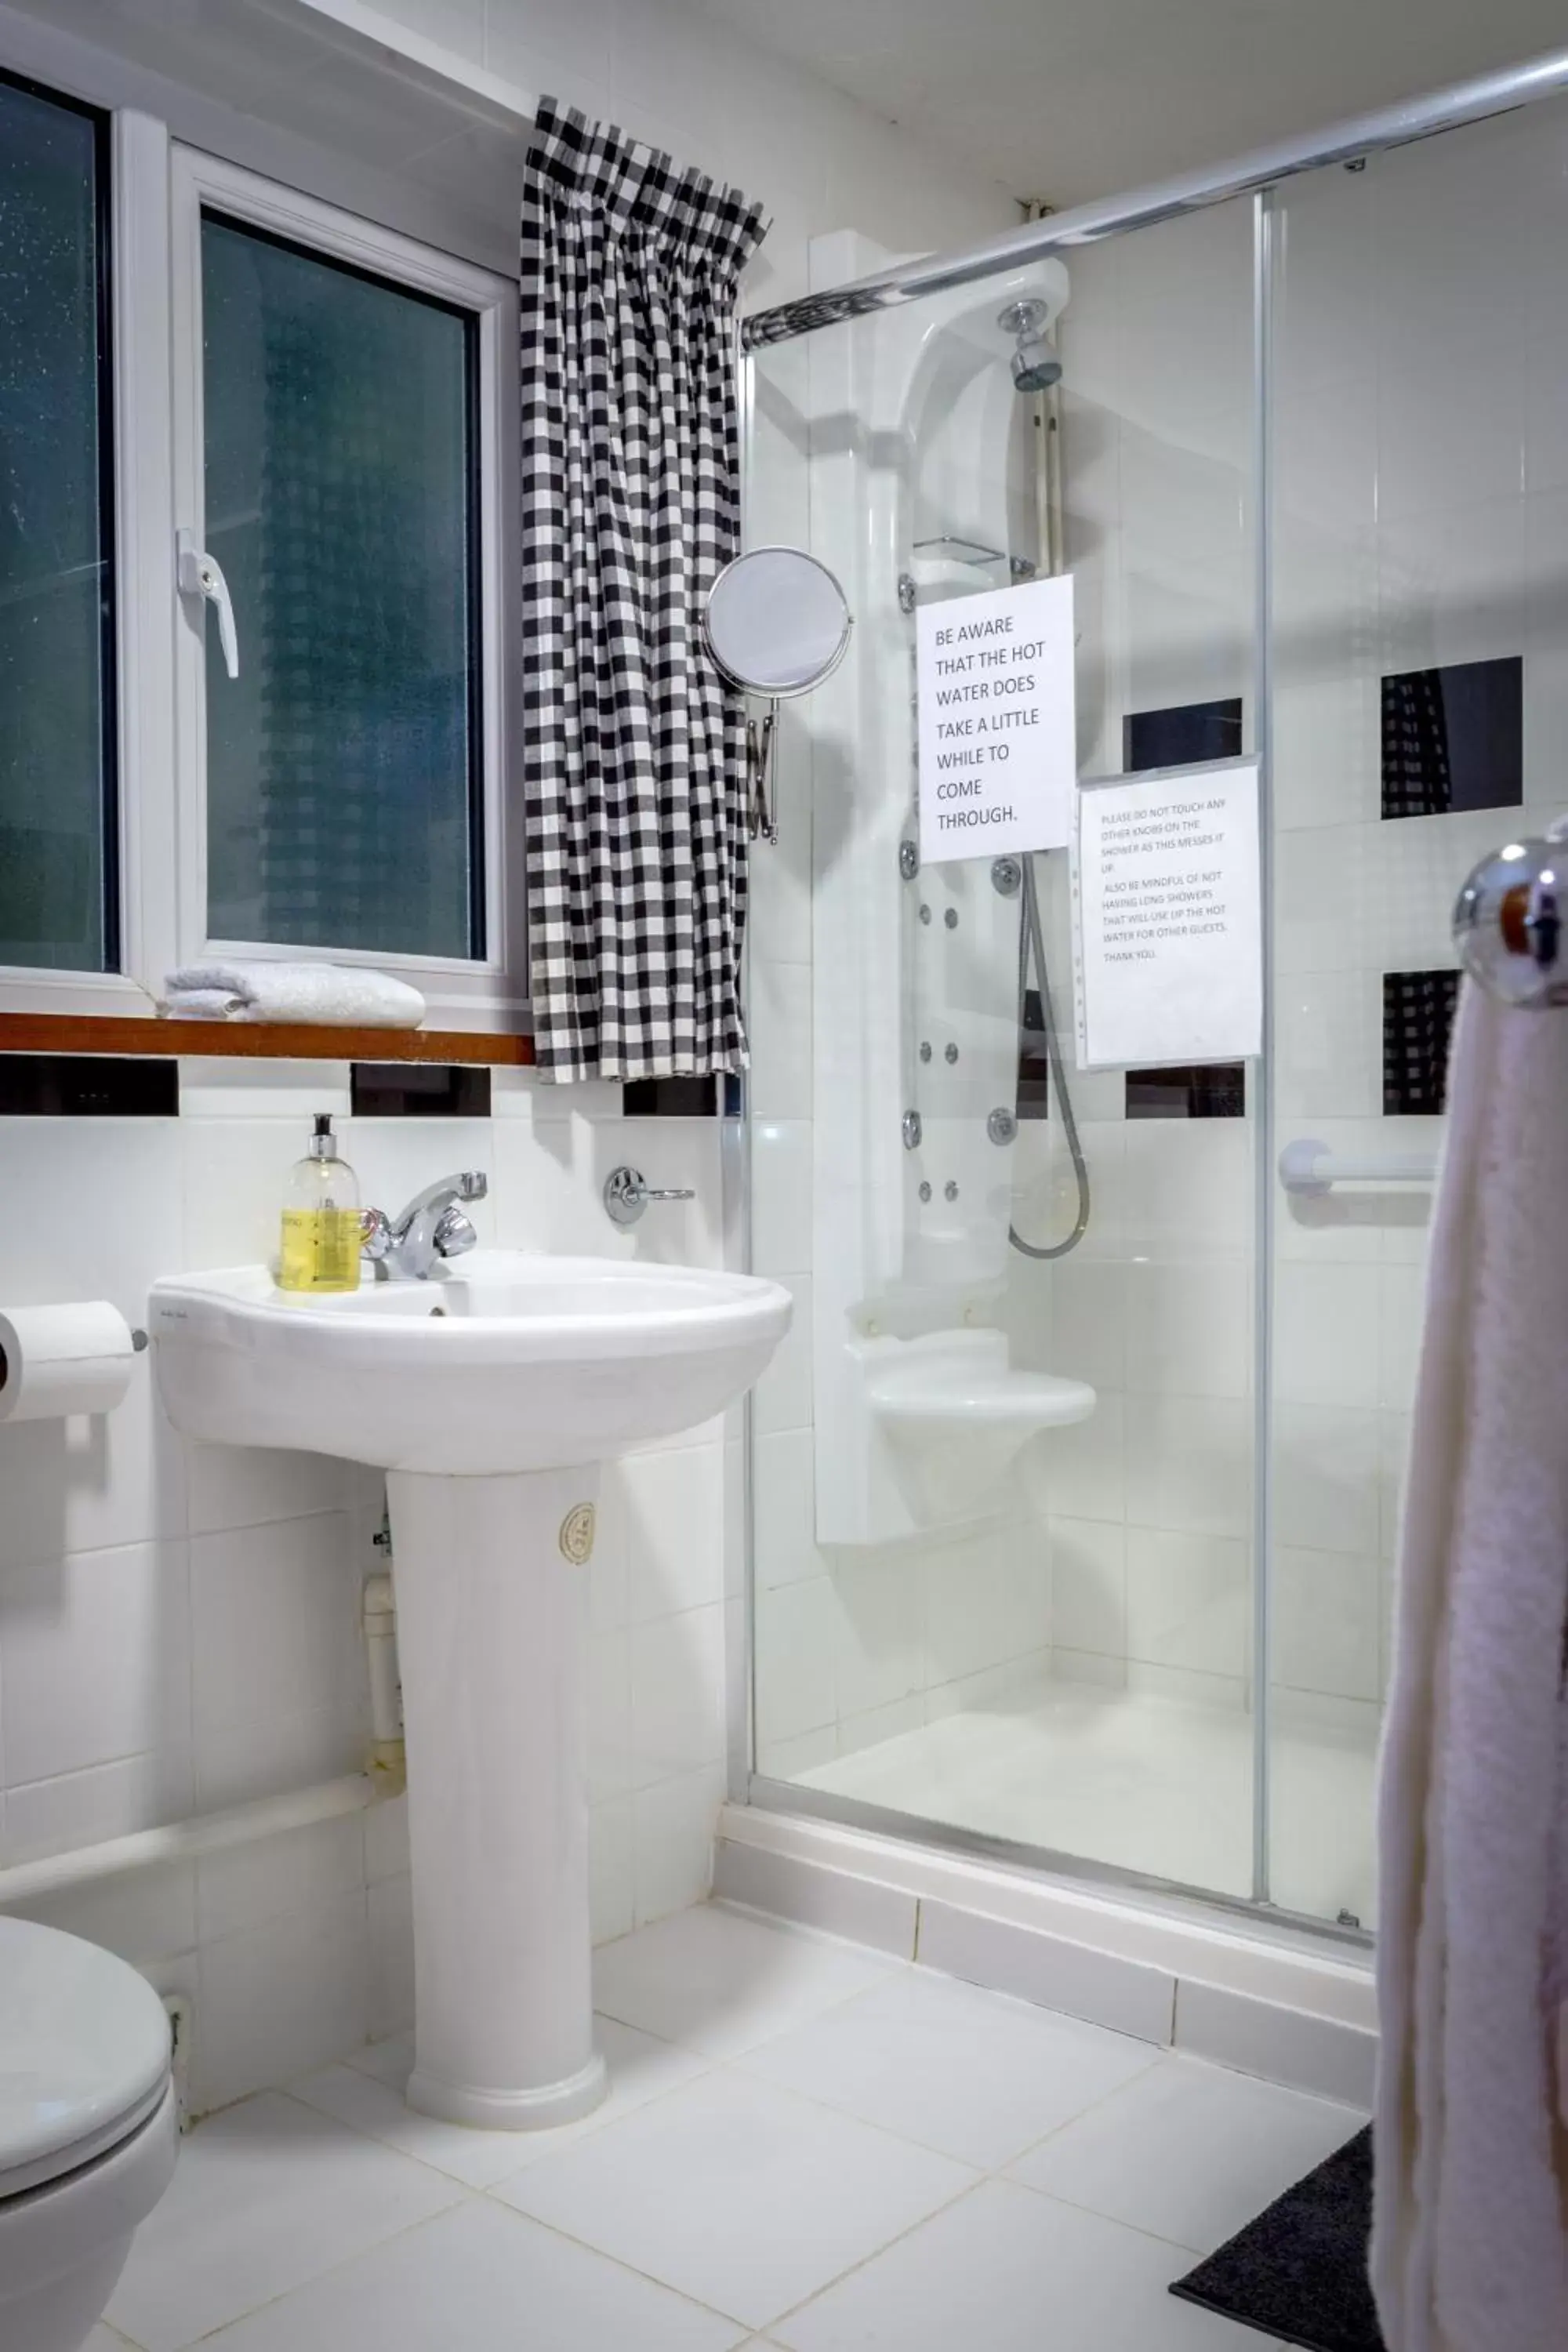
x=577, y=1534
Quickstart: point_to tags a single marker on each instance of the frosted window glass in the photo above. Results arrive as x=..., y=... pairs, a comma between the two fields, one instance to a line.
x=342, y=763
x=56, y=755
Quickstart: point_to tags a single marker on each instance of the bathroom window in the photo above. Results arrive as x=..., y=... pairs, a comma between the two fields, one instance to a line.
x=259, y=573
x=336, y=379
x=58, y=880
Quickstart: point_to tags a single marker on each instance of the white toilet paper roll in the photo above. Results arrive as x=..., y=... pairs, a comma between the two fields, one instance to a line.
x=60, y=1359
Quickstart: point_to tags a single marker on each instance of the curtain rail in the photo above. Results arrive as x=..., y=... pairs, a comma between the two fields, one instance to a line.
x=1342, y=142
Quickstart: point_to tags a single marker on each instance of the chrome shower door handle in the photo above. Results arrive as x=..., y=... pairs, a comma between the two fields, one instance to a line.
x=627, y=1196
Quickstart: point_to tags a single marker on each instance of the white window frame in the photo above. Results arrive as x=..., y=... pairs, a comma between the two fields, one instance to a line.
x=158, y=187
x=199, y=181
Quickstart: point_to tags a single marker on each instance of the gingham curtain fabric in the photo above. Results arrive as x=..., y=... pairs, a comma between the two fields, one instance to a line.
x=634, y=747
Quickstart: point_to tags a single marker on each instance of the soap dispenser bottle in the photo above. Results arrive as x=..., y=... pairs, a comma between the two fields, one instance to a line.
x=321, y=1226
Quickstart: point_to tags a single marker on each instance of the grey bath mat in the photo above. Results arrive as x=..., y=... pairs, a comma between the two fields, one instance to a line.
x=1298, y=2271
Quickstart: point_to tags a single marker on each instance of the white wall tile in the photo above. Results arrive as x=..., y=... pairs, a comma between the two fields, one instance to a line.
x=1189, y=1464
x=249, y=1486
x=781, y=1196
x=1326, y=1335
x=1089, y=1585
x=1283, y=2045
x=95, y=1660
x=778, y=1016
x=672, y=1843
x=303, y=1869
x=1189, y=1329
x=270, y=1754
x=387, y=1839
x=611, y=1764
x=677, y=1669
x=1326, y=1624
x=105, y=1801
x=674, y=1530
x=781, y=1399
x=879, y=1631
x=389, y=2001
x=1326, y=1477
x=1090, y=1322
x=280, y=1999
x=785, y=1505
x=834, y=1901
x=796, y=1628
x=612, y=1894
x=275, y=1624
x=148, y=1917
x=1188, y=1601
x=1126, y=1995
x=1083, y=1467
x=982, y=1608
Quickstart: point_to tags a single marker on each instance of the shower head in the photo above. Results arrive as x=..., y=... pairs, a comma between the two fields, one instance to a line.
x=1035, y=366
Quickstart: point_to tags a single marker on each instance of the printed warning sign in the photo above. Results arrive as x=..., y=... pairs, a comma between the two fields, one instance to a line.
x=997, y=748
x=1170, y=919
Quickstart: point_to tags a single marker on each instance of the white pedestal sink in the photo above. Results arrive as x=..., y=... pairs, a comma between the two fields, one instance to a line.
x=489, y=1395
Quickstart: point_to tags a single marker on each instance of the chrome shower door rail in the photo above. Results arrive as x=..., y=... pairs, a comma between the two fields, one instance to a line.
x=1261, y=167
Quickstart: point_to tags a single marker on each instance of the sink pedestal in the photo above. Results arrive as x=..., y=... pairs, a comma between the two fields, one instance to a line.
x=491, y=1581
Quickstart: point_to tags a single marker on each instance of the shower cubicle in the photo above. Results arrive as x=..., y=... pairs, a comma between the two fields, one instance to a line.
x=1074, y=1493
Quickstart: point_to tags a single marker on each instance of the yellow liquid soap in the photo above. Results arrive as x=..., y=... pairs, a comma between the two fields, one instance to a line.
x=320, y=1250
x=321, y=1230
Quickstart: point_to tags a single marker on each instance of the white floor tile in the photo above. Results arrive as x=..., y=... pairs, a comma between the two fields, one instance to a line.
x=484, y=2281
x=722, y=1982
x=1188, y=2151
x=738, y=2194
x=264, y=2196
x=640, y=2068
x=975, y=2074
x=1013, y=2274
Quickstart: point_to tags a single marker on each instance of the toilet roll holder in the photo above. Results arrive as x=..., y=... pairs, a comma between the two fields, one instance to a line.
x=1510, y=920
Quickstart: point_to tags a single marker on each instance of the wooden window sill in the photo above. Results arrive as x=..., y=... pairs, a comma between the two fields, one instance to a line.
x=69, y=1033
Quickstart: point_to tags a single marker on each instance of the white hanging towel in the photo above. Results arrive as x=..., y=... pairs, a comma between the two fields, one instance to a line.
x=1469, y=2251
x=347, y=996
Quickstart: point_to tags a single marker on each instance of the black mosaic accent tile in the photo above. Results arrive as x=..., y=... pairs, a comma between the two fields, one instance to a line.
x=1418, y=1021
x=1454, y=738
x=1205, y=1090
x=419, y=1089
x=89, y=1086
x=1187, y=735
x=671, y=1098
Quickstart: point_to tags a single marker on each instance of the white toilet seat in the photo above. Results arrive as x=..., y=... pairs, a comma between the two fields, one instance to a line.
x=63, y=2244
x=84, y=2054
x=88, y=2130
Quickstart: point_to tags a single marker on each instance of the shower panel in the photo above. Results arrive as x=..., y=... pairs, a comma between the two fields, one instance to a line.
x=921, y=1412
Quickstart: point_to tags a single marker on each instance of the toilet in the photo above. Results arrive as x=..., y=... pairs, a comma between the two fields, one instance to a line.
x=88, y=2130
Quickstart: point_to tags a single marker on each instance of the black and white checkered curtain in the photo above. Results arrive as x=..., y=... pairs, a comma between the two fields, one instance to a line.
x=634, y=747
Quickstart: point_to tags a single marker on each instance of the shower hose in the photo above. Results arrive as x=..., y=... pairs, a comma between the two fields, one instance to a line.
x=1031, y=940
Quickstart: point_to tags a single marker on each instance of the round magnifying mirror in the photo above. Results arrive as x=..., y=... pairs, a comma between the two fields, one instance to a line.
x=777, y=622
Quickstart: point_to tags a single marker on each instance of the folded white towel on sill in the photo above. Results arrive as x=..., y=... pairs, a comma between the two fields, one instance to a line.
x=339, y=994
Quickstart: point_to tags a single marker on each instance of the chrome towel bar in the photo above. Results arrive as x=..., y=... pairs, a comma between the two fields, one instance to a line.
x=1311, y=1170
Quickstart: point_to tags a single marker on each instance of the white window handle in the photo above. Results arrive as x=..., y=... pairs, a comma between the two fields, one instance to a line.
x=201, y=574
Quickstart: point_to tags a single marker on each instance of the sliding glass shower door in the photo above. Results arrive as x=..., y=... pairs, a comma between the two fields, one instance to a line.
x=1147, y=1637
